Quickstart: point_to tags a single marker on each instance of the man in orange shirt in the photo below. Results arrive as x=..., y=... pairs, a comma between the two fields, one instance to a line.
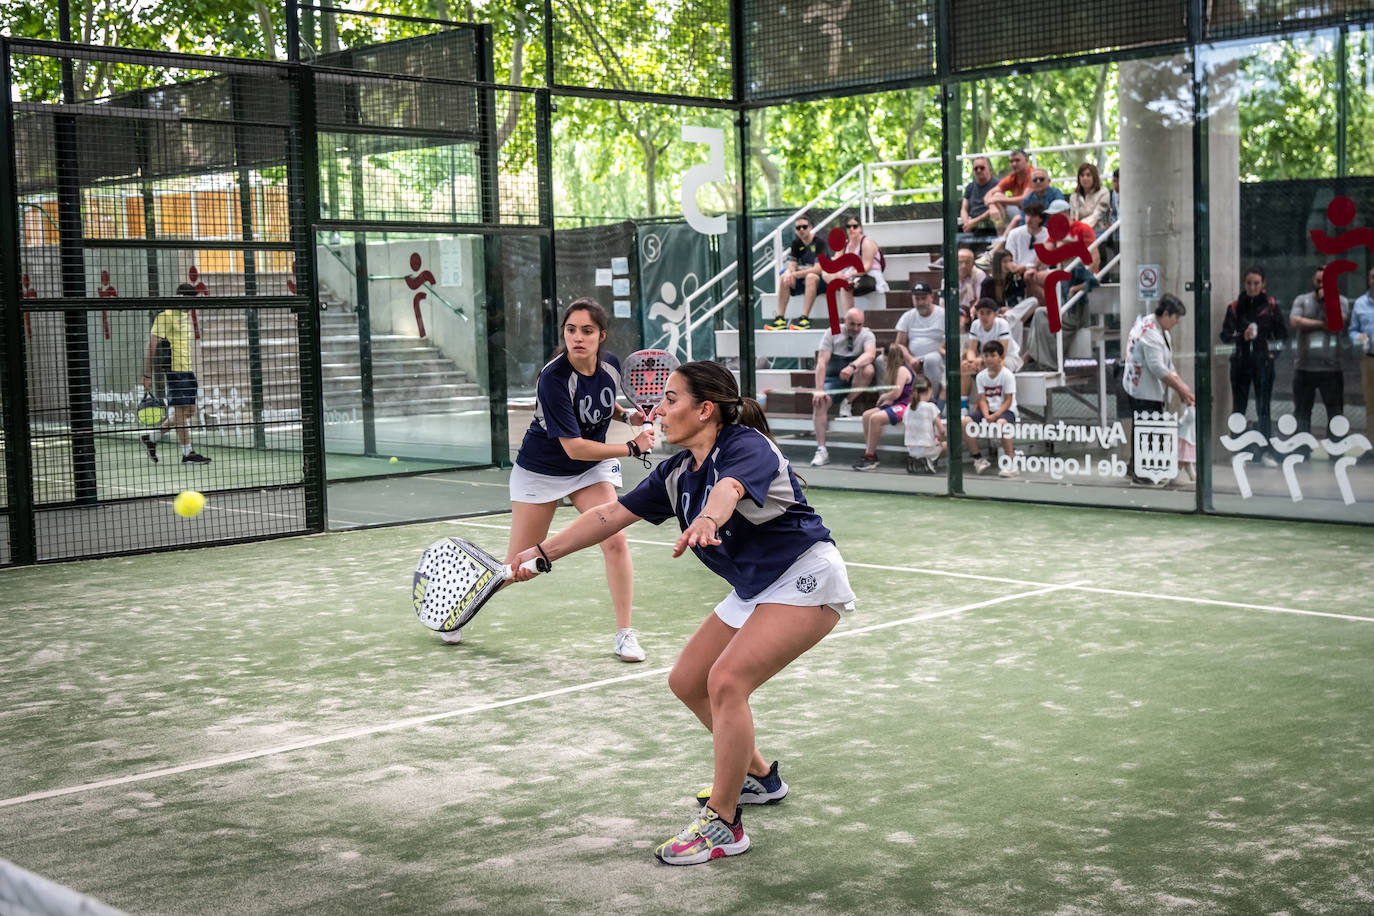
x=1004, y=201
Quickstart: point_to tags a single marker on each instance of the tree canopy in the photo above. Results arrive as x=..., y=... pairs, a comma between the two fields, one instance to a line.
x=616, y=159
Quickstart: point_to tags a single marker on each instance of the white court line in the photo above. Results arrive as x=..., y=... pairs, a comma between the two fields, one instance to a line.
x=453, y=713
x=1077, y=586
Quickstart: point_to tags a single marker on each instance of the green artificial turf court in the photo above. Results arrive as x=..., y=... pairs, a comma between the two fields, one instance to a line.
x=1033, y=710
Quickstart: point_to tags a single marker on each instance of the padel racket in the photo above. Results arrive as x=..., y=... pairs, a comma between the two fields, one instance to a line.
x=644, y=375
x=152, y=410
x=454, y=579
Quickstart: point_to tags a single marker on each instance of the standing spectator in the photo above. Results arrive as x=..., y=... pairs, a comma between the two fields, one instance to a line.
x=996, y=403
x=868, y=280
x=1254, y=324
x=974, y=214
x=845, y=362
x=971, y=279
x=925, y=433
x=1004, y=201
x=174, y=327
x=891, y=408
x=801, y=276
x=921, y=337
x=1042, y=192
x=1149, y=359
x=1090, y=202
x=1317, y=368
x=1362, y=335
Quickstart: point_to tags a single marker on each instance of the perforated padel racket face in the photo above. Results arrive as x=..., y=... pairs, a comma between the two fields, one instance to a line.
x=452, y=581
x=645, y=376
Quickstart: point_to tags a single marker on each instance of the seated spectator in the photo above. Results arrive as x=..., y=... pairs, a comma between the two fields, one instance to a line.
x=1008, y=290
x=996, y=403
x=801, y=276
x=868, y=280
x=1004, y=201
x=1090, y=202
x=991, y=326
x=974, y=214
x=844, y=363
x=971, y=279
x=891, y=408
x=1021, y=241
x=1042, y=192
x=925, y=431
x=921, y=337
x=1040, y=346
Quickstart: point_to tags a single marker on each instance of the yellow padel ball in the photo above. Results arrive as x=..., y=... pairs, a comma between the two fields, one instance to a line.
x=395, y=460
x=188, y=503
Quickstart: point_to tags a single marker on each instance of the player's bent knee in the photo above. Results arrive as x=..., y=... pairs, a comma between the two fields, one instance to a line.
x=616, y=546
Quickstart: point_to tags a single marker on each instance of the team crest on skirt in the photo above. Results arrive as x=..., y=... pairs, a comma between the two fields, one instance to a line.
x=806, y=584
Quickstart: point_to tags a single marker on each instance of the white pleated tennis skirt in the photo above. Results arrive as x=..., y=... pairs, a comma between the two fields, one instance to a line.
x=818, y=577
x=529, y=487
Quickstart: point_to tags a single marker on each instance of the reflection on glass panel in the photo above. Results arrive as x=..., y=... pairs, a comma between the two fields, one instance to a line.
x=1292, y=258
x=403, y=350
x=1075, y=350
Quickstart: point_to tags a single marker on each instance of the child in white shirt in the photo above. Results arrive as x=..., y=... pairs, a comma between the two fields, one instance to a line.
x=925, y=433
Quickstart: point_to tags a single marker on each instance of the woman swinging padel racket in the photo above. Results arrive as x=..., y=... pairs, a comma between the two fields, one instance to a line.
x=742, y=512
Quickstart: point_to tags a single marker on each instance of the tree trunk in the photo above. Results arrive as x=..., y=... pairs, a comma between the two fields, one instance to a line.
x=517, y=65
x=771, y=176
x=269, y=32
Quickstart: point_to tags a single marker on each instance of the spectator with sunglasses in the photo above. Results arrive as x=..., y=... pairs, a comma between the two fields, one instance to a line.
x=801, y=276
x=1042, y=192
x=975, y=215
x=870, y=279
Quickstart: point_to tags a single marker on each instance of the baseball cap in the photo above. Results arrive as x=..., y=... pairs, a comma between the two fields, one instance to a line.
x=1058, y=206
x=919, y=288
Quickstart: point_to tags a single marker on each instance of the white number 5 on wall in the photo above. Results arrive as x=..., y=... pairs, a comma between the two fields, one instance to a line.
x=696, y=176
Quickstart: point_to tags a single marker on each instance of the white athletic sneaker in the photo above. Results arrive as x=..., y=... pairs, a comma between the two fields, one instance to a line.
x=627, y=645
x=1007, y=472
x=821, y=458
x=981, y=465
x=452, y=638
x=846, y=408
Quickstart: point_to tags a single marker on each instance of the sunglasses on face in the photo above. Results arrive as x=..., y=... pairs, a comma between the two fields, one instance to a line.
x=802, y=227
x=980, y=168
x=1039, y=179
x=851, y=225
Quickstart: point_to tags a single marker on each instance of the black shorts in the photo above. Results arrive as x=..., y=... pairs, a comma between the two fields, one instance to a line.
x=182, y=389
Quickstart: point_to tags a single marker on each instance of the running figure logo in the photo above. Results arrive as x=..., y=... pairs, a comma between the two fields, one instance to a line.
x=420, y=278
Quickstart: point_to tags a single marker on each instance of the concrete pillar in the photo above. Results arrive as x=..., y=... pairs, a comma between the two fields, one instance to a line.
x=1157, y=189
x=1223, y=194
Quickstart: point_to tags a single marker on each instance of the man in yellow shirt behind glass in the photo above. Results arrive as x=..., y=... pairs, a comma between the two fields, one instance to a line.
x=174, y=326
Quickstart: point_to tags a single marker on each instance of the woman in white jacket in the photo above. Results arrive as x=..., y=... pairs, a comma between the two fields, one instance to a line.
x=1149, y=360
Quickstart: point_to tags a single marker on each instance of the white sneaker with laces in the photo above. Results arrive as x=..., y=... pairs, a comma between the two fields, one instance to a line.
x=846, y=408
x=627, y=645
x=452, y=638
x=1007, y=472
x=981, y=465
x=821, y=458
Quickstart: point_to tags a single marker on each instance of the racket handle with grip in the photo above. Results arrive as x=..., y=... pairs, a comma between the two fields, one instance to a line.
x=537, y=565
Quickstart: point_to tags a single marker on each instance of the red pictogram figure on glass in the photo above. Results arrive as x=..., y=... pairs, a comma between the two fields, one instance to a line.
x=836, y=241
x=1341, y=213
x=106, y=291
x=420, y=278
x=194, y=286
x=27, y=292
x=1058, y=229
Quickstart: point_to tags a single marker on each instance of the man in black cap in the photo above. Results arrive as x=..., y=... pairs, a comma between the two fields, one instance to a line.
x=921, y=336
